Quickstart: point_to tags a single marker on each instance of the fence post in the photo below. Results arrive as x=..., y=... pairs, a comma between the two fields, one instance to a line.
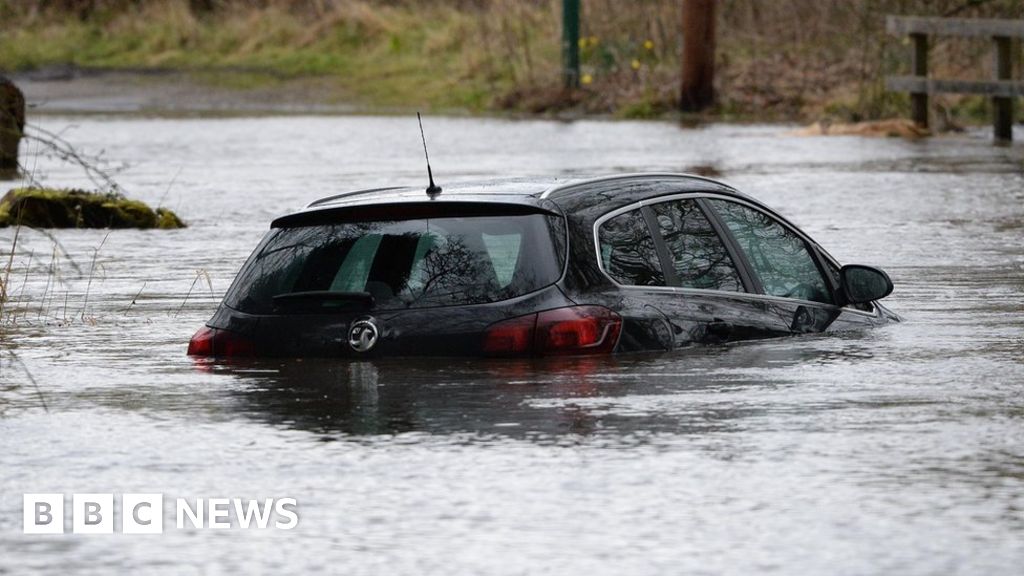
x=12, y=125
x=1002, y=107
x=571, y=43
x=919, y=64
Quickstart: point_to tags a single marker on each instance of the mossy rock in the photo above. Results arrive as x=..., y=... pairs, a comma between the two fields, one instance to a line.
x=56, y=208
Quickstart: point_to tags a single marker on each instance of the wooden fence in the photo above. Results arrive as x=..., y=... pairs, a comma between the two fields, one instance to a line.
x=1002, y=88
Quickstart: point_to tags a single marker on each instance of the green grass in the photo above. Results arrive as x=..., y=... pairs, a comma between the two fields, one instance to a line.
x=383, y=57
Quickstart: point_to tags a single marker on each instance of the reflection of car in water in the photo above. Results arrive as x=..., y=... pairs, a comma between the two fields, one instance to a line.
x=515, y=268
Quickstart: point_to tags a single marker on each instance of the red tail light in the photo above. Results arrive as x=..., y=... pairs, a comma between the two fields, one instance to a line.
x=513, y=336
x=201, y=343
x=578, y=330
x=572, y=330
x=213, y=342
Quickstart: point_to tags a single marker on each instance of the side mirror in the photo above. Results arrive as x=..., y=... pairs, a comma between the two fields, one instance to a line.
x=864, y=283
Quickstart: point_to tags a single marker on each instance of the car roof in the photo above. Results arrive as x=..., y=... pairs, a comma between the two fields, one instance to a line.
x=595, y=196
x=565, y=194
x=496, y=189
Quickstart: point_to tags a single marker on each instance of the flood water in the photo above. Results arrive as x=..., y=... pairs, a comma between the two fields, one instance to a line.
x=896, y=450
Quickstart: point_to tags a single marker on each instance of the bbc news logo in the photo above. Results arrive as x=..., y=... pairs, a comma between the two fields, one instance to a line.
x=144, y=513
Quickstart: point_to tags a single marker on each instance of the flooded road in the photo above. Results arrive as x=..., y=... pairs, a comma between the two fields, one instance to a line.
x=897, y=450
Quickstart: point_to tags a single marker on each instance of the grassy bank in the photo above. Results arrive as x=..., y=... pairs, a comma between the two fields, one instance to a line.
x=803, y=59
x=386, y=55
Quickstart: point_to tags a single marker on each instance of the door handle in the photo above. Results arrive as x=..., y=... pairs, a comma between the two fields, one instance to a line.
x=720, y=328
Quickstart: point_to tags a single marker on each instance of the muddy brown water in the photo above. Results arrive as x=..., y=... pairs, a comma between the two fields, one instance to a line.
x=897, y=450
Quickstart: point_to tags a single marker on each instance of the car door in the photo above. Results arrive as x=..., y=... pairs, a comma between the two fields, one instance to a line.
x=782, y=263
x=669, y=257
x=628, y=256
x=708, y=276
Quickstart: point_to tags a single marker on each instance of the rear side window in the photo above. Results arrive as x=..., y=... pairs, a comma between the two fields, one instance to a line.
x=698, y=255
x=780, y=258
x=414, y=263
x=627, y=251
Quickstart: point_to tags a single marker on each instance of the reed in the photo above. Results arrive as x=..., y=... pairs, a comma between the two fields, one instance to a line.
x=92, y=271
x=5, y=281
x=15, y=359
x=200, y=274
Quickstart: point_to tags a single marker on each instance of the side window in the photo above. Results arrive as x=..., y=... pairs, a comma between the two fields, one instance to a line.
x=698, y=255
x=627, y=251
x=779, y=257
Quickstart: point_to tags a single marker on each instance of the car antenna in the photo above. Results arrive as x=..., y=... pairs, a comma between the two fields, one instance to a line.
x=433, y=189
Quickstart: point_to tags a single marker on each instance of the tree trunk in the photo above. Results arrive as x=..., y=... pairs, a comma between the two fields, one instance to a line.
x=200, y=7
x=12, y=124
x=698, y=78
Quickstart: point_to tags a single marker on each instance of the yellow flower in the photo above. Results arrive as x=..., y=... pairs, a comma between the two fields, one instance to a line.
x=635, y=64
x=593, y=40
x=583, y=42
x=586, y=79
x=648, y=45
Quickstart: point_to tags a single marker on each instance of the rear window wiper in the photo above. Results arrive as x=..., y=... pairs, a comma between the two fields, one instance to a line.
x=320, y=299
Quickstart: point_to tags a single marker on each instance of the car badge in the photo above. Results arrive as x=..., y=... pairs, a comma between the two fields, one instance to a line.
x=363, y=334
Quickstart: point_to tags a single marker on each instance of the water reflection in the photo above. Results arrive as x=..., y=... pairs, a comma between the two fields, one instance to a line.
x=430, y=396
x=539, y=399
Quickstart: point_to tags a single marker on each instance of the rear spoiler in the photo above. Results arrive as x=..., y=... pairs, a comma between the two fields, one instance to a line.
x=386, y=212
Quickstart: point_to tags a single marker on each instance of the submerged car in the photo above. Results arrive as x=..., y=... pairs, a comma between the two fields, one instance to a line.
x=534, y=268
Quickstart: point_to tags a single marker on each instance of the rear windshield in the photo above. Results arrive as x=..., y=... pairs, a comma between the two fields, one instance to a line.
x=416, y=263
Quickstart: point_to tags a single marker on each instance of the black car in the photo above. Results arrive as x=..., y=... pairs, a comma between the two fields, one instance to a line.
x=532, y=267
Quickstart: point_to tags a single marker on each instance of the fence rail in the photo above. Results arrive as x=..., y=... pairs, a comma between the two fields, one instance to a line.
x=917, y=85
x=964, y=27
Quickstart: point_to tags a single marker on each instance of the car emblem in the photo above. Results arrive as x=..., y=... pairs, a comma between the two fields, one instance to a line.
x=363, y=335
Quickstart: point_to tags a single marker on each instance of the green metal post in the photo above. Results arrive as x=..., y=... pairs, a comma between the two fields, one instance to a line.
x=919, y=63
x=571, y=42
x=1002, y=107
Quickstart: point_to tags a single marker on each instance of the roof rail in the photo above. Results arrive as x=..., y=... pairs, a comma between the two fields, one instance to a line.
x=570, y=185
x=352, y=193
